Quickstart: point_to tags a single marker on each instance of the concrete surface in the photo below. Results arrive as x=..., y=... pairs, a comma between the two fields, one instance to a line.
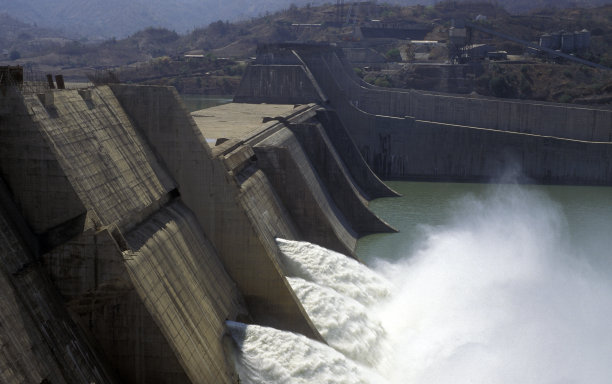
x=108, y=182
x=236, y=207
x=236, y=121
x=318, y=219
x=149, y=238
x=39, y=339
x=183, y=284
x=383, y=123
x=336, y=177
x=283, y=84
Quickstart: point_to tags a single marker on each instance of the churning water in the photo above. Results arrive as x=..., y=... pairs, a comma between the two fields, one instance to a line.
x=498, y=290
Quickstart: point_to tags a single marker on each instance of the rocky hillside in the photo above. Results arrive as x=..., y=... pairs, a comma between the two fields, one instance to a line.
x=94, y=19
x=219, y=51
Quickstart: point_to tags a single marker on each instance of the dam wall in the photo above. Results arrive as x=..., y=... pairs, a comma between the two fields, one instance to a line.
x=294, y=168
x=102, y=156
x=380, y=139
x=408, y=148
x=30, y=168
x=144, y=239
x=279, y=84
x=38, y=337
x=116, y=187
x=572, y=122
x=369, y=183
x=90, y=162
x=229, y=198
x=282, y=159
x=541, y=118
x=90, y=273
x=183, y=284
x=403, y=148
x=472, y=154
x=344, y=191
x=398, y=132
x=441, y=146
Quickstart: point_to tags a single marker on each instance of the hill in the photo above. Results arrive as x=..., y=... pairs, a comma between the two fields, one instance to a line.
x=97, y=19
x=101, y=19
x=211, y=59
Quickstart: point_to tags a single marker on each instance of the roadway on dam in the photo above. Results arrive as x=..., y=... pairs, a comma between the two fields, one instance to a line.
x=237, y=121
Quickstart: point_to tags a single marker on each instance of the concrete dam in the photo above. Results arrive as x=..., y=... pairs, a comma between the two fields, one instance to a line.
x=128, y=241
x=418, y=135
x=134, y=232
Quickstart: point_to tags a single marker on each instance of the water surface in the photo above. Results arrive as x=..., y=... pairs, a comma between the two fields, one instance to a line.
x=197, y=102
x=423, y=205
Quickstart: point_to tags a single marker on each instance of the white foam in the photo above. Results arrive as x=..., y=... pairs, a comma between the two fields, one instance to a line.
x=343, y=322
x=499, y=296
x=333, y=270
x=270, y=356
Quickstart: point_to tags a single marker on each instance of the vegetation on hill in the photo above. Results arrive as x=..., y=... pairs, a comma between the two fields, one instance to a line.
x=94, y=19
x=567, y=83
x=211, y=59
x=534, y=78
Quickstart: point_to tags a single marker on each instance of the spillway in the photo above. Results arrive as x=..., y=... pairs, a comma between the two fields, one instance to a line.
x=350, y=331
x=500, y=292
x=333, y=270
x=268, y=355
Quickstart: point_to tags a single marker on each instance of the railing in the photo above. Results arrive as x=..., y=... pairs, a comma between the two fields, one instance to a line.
x=26, y=81
x=34, y=82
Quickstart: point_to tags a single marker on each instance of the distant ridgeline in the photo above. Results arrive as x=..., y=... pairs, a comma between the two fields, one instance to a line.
x=412, y=134
x=127, y=241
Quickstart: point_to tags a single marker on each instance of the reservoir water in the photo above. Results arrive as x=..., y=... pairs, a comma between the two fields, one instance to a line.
x=483, y=284
x=586, y=211
x=197, y=102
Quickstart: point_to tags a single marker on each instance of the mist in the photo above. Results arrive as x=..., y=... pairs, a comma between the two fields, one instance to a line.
x=499, y=293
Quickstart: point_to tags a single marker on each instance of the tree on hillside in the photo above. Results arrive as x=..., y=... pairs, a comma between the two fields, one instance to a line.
x=394, y=55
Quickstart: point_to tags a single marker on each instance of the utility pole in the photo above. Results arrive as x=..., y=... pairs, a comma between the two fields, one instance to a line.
x=339, y=11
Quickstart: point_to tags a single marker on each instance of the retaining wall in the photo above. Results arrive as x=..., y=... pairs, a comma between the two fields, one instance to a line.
x=560, y=120
x=278, y=84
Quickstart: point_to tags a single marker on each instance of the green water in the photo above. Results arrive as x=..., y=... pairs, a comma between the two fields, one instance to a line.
x=587, y=212
x=197, y=102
